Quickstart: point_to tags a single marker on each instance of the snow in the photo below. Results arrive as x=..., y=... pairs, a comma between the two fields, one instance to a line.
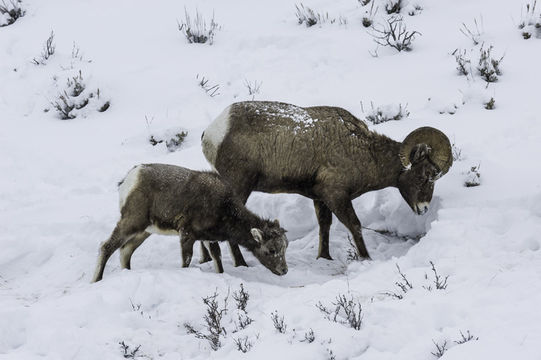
x=59, y=198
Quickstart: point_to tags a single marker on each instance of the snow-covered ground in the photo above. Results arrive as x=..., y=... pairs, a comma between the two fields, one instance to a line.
x=58, y=197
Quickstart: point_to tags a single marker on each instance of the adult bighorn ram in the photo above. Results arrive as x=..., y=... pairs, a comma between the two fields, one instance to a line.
x=324, y=153
x=197, y=205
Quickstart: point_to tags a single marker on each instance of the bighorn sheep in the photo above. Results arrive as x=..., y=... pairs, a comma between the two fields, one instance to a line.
x=324, y=153
x=173, y=200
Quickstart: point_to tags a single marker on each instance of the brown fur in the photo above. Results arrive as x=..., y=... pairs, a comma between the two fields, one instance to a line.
x=198, y=206
x=324, y=153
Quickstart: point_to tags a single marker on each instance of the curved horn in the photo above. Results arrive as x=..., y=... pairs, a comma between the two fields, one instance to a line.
x=441, y=154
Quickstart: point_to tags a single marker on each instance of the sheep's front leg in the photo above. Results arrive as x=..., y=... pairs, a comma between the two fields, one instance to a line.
x=186, y=247
x=324, y=218
x=214, y=249
x=343, y=209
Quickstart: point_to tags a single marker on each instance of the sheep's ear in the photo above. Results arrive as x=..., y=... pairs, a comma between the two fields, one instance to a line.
x=257, y=234
x=277, y=223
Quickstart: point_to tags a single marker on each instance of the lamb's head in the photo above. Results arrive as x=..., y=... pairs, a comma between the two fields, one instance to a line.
x=271, y=246
x=426, y=156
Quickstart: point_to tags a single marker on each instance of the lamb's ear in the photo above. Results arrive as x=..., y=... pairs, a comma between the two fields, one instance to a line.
x=277, y=223
x=257, y=234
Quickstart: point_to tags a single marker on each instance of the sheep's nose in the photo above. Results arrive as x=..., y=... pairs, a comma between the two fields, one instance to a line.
x=422, y=208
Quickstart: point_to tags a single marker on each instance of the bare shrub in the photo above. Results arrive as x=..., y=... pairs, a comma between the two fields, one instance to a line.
x=241, y=298
x=128, y=352
x=474, y=33
x=211, y=90
x=48, y=51
x=456, y=151
x=309, y=336
x=346, y=311
x=466, y=338
x=384, y=113
x=213, y=322
x=352, y=254
x=197, y=31
x=403, y=284
x=440, y=349
x=10, y=12
x=440, y=283
x=243, y=344
x=394, y=33
x=253, y=87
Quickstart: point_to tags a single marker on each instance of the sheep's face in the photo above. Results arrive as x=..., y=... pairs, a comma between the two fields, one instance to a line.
x=271, y=247
x=416, y=184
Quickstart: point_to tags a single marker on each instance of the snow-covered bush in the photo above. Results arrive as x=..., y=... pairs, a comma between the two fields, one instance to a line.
x=393, y=6
x=491, y=104
x=310, y=17
x=48, y=51
x=173, y=141
x=395, y=34
x=10, y=12
x=462, y=61
x=197, y=31
x=489, y=67
x=530, y=22
x=369, y=15
x=384, y=113
x=278, y=322
x=76, y=99
x=473, y=177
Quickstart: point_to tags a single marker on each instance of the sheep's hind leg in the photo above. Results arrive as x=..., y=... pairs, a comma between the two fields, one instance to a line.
x=324, y=218
x=126, y=250
x=343, y=209
x=214, y=248
x=122, y=233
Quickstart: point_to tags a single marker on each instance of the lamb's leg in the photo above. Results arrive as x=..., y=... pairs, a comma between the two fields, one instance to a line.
x=243, y=190
x=214, y=248
x=205, y=256
x=324, y=218
x=123, y=232
x=126, y=250
x=186, y=247
x=343, y=209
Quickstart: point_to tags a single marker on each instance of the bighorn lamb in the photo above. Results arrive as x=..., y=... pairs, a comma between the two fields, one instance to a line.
x=172, y=200
x=324, y=153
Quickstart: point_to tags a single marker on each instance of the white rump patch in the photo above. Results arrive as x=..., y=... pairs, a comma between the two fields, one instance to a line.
x=128, y=184
x=215, y=134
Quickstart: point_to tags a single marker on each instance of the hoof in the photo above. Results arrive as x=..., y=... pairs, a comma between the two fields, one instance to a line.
x=324, y=256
